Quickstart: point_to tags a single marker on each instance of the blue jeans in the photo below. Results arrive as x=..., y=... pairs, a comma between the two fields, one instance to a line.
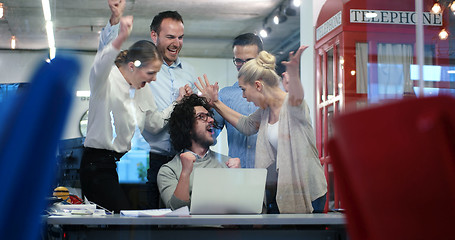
x=319, y=204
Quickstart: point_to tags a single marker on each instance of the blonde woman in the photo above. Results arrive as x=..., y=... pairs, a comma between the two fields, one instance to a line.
x=286, y=142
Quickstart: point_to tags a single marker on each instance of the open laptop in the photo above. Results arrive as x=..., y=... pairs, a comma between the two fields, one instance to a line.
x=228, y=191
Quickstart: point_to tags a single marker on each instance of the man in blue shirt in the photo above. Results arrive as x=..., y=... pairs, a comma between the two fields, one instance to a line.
x=245, y=47
x=166, y=31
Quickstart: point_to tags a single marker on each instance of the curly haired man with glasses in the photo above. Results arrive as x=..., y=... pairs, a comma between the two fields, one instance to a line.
x=191, y=128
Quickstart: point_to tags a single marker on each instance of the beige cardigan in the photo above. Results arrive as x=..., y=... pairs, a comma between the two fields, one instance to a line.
x=300, y=175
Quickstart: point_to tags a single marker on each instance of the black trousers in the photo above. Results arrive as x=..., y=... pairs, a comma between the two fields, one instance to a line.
x=99, y=179
x=155, y=163
x=270, y=189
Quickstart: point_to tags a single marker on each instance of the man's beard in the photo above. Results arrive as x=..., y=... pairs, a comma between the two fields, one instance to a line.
x=205, y=143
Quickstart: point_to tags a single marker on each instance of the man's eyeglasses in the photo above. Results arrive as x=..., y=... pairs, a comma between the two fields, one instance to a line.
x=204, y=116
x=240, y=62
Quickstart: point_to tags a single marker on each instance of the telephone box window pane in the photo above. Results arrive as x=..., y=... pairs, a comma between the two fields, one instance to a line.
x=330, y=112
x=330, y=74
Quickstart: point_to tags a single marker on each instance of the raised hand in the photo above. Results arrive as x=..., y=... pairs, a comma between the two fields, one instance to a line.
x=233, y=163
x=187, y=90
x=296, y=93
x=208, y=91
x=126, y=25
x=184, y=91
x=187, y=159
x=117, y=7
x=294, y=60
x=182, y=190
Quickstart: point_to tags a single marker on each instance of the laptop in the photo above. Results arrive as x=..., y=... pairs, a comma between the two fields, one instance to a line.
x=228, y=191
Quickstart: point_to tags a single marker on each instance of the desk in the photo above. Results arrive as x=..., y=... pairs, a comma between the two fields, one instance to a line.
x=270, y=226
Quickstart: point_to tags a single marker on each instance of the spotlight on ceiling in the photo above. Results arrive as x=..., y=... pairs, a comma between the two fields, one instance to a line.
x=290, y=7
x=290, y=11
x=296, y=3
x=279, y=18
x=265, y=31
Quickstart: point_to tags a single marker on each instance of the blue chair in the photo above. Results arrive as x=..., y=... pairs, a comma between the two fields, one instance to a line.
x=29, y=135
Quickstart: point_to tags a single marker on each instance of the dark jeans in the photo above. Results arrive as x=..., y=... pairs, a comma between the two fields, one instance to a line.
x=319, y=204
x=155, y=163
x=99, y=179
x=270, y=189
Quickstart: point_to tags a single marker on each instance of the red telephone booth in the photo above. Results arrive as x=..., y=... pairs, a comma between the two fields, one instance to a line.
x=365, y=54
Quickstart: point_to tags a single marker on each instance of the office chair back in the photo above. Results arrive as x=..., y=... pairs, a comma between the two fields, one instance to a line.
x=29, y=134
x=395, y=166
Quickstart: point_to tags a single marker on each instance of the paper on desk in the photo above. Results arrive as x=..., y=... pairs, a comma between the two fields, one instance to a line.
x=75, y=209
x=181, y=212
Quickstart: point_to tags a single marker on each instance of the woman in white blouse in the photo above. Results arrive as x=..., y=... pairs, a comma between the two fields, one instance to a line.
x=286, y=143
x=120, y=101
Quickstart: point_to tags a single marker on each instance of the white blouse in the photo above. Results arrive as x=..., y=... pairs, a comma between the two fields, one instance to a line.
x=113, y=111
x=272, y=134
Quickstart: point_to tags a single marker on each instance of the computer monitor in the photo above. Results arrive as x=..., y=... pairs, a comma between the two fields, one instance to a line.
x=68, y=162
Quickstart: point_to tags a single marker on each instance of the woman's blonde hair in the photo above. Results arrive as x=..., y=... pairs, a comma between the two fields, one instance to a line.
x=262, y=67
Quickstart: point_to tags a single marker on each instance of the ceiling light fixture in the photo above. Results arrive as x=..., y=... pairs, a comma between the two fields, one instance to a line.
x=1, y=10
x=296, y=3
x=265, y=31
x=276, y=19
x=290, y=10
x=49, y=28
x=279, y=17
x=13, y=42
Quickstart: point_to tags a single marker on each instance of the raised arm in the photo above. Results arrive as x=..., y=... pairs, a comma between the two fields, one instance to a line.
x=175, y=189
x=104, y=60
x=211, y=93
x=295, y=87
x=156, y=120
x=126, y=25
x=182, y=191
x=110, y=31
